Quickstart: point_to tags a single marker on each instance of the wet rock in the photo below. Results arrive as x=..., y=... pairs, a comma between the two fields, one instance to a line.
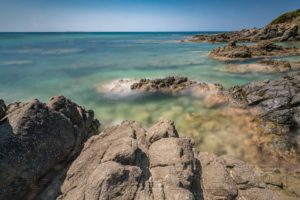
x=276, y=99
x=260, y=50
x=37, y=142
x=164, y=85
x=176, y=85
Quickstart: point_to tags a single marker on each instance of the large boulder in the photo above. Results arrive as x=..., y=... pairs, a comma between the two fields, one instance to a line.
x=37, y=142
x=127, y=162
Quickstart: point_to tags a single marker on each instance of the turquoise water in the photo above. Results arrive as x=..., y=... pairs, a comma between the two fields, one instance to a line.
x=36, y=65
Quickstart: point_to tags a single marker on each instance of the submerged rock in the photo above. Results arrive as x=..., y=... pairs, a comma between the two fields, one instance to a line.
x=263, y=66
x=260, y=50
x=37, y=142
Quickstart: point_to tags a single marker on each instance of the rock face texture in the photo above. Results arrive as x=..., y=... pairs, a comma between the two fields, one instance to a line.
x=128, y=162
x=278, y=100
x=37, y=141
x=262, y=49
x=125, y=162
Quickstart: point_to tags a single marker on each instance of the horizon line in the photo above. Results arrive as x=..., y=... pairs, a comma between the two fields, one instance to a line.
x=111, y=31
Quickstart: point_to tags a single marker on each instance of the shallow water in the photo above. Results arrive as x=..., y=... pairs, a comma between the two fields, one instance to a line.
x=74, y=64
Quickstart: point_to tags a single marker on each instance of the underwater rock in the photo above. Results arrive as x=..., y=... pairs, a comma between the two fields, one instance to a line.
x=38, y=141
x=263, y=66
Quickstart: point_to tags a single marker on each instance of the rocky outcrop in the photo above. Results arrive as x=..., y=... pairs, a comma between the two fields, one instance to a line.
x=284, y=28
x=176, y=85
x=278, y=99
x=38, y=141
x=274, y=32
x=261, y=50
x=263, y=66
x=168, y=85
x=164, y=85
x=128, y=162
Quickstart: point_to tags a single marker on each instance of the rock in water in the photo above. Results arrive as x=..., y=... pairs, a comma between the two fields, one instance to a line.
x=37, y=142
x=284, y=28
x=259, y=50
x=279, y=99
x=128, y=162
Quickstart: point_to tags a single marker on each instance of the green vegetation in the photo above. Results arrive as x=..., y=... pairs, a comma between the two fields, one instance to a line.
x=290, y=17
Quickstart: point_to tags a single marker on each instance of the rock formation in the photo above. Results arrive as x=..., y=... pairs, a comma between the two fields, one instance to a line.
x=261, y=50
x=128, y=162
x=284, y=28
x=38, y=141
x=278, y=100
x=168, y=85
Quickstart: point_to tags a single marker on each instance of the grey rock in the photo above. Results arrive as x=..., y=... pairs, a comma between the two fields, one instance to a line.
x=274, y=32
x=277, y=99
x=36, y=143
x=167, y=167
x=260, y=50
x=2, y=109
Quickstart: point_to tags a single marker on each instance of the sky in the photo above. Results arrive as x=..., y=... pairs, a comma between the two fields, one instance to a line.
x=139, y=15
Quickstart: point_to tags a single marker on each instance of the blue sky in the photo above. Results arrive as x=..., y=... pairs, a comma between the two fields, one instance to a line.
x=139, y=15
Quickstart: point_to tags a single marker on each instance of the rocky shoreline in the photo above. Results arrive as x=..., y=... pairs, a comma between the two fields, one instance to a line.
x=48, y=151
x=54, y=150
x=282, y=29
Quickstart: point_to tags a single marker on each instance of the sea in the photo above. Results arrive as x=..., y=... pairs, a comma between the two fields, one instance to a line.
x=42, y=65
